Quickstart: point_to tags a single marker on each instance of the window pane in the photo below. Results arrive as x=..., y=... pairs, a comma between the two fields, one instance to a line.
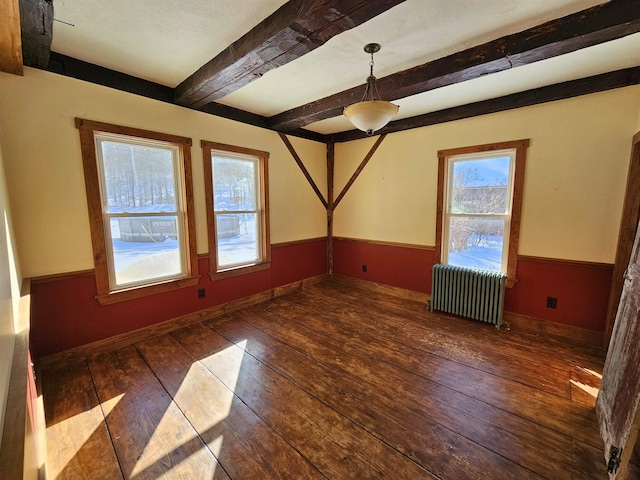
x=237, y=239
x=138, y=178
x=234, y=184
x=476, y=242
x=145, y=248
x=480, y=186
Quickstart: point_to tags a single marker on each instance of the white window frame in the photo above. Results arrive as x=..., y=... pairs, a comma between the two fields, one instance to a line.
x=505, y=216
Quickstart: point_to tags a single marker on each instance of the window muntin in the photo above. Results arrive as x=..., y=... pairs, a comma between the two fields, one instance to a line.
x=478, y=210
x=114, y=211
x=142, y=210
x=236, y=187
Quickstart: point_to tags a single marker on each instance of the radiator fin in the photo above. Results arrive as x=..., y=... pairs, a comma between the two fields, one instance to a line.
x=476, y=294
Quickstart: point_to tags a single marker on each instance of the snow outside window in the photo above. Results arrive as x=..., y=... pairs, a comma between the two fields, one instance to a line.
x=236, y=207
x=236, y=188
x=142, y=210
x=479, y=206
x=478, y=210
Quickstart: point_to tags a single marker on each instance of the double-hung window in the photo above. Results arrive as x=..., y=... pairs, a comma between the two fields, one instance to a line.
x=140, y=209
x=237, y=209
x=479, y=203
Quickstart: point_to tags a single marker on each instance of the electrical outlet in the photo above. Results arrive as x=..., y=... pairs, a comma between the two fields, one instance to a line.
x=552, y=302
x=201, y=293
x=364, y=268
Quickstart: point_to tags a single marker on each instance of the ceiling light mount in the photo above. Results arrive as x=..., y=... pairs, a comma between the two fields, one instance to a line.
x=371, y=113
x=372, y=48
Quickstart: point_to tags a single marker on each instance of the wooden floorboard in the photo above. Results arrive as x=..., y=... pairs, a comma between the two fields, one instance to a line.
x=552, y=350
x=397, y=420
x=300, y=417
x=498, y=391
x=423, y=400
x=78, y=442
x=331, y=382
x=251, y=448
x=151, y=437
x=465, y=351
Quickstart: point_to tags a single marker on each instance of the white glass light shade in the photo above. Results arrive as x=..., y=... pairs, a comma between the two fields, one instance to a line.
x=370, y=115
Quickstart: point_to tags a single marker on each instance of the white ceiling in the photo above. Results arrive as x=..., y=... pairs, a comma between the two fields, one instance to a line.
x=165, y=41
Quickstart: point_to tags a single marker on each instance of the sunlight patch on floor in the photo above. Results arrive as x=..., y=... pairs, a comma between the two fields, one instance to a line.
x=591, y=372
x=110, y=404
x=182, y=456
x=67, y=437
x=593, y=391
x=216, y=446
x=221, y=397
x=228, y=364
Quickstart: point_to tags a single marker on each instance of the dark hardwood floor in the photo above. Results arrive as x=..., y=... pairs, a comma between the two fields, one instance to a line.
x=330, y=382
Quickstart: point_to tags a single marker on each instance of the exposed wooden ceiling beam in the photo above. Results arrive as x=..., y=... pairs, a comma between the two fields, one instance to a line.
x=295, y=29
x=75, y=68
x=593, y=26
x=10, y=43
x=551, y=93
x=89, y=72
x=36, y=22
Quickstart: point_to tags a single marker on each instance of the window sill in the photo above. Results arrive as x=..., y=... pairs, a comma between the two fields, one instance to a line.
x=234, y=272
x=146, y=290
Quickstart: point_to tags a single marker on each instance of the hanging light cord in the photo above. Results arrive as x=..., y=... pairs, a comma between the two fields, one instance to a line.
x=371, y=91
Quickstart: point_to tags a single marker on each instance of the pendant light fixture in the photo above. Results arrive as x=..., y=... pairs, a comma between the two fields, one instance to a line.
x=371, y=113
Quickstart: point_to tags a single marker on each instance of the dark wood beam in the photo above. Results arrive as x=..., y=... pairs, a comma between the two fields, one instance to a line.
x=593, y=26
x=331, y=157
x=72, y=67
x=559, y=91
x=249, y=118
x=89, y=72
x=306, y=173
x=10, y=42
x=36, y=23
x=295, y=29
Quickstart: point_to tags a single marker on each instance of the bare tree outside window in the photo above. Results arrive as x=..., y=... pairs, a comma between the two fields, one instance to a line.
x=479, y=201
x=137, y=176
x=479, y=205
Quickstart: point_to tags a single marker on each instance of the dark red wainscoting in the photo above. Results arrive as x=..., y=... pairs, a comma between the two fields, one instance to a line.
x=65, y=313
x=581, y=289
x=400, y=266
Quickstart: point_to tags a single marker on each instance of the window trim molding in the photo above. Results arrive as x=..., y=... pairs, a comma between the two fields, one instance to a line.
x=520, y=147
x=207, y=148
x=87, y=129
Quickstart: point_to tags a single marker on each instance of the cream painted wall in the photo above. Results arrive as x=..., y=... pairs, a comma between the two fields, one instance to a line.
x=574, y=179
x=10, y=279
x=44, y=165
x=390, y=200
